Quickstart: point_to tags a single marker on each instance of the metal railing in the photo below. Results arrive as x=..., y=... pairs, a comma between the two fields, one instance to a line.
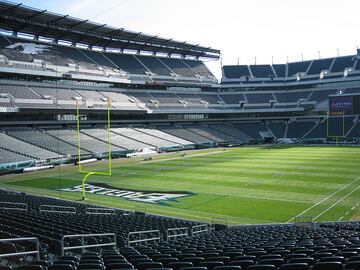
x=34, y=239
x=100, y=211
x=139, y=209
x=14, y=206
x=57, y=209
x=143, y=237
x=222, y=221
x=83, y=246
x=177, y=233
x=202, y=228
x=304, y=221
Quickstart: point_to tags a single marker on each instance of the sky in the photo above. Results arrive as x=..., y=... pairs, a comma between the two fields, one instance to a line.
x=265, y=30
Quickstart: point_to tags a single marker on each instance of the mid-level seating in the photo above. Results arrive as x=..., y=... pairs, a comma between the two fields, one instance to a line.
x=18, y=91
x=321, y=95
x=159, y=134
x=44, y=140
x=185, y=134
x=144, y=138
x=233, y=98
x=259, y=97
x=7, y=156
x=291, y=96
x=25, y=148
x=58, y=93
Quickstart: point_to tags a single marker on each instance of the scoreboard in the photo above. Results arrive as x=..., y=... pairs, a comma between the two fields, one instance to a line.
x=344, y=104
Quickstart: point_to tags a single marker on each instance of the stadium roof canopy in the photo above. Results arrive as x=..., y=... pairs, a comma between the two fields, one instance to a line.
x=19, y=18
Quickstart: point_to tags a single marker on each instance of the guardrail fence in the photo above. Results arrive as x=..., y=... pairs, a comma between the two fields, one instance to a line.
x=57, y=209
x=14, y=206
x=83, y=244
x=143, y=237
x=175, y=233
x=24, y=239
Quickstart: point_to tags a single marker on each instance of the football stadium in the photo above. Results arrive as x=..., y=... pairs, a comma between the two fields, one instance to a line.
x=122, y=150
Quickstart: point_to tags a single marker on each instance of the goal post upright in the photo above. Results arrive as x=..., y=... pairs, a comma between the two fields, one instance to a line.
x=336, y=136
x=89, y=173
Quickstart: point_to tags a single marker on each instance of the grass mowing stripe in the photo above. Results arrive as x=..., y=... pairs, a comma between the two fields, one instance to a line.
x=245, y=185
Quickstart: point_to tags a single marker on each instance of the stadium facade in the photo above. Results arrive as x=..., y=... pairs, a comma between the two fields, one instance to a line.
x=162, y=94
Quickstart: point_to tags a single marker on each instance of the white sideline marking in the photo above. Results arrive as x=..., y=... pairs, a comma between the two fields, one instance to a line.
x=319, y=202
x=333, y=205
x=348, y=212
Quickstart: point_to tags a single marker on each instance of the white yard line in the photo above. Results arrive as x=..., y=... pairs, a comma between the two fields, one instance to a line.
x=321, y=201
x=336, y=203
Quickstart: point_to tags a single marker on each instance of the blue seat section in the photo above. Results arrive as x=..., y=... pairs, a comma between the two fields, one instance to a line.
x=259, y=97
x=155, y=65
x=297, y=67
x=177, y=66
x=234, y=72
x=27, y=50
x=261, y=71
x=321, y=95
x=280, y=70
x=99, y=58
x=235, y=98
x=198, y=66
x=284, y=97
x=342, y=62
x=127, y=62
x=319, y=65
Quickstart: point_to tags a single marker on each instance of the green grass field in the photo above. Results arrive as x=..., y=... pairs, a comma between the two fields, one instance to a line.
x=242, y=185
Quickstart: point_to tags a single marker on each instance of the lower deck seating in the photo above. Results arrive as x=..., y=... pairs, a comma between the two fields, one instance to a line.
x=50, y=227
x=185, y=134
x=323, y=246
x=210, y=133
x=252, y=129
x=55, y=142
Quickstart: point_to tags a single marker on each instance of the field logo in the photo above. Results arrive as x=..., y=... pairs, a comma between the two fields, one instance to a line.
x=131, y=195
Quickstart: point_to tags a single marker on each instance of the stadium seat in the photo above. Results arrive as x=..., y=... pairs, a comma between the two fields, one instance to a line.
x=355, y=265
x=328, y=266
x=32, y=267
x=261, y=267
x=147, y=265
x=178, y=265
x=61, y=267
x=211, y=264
x=227, y=267
x=294, y=266
x=5, y=267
